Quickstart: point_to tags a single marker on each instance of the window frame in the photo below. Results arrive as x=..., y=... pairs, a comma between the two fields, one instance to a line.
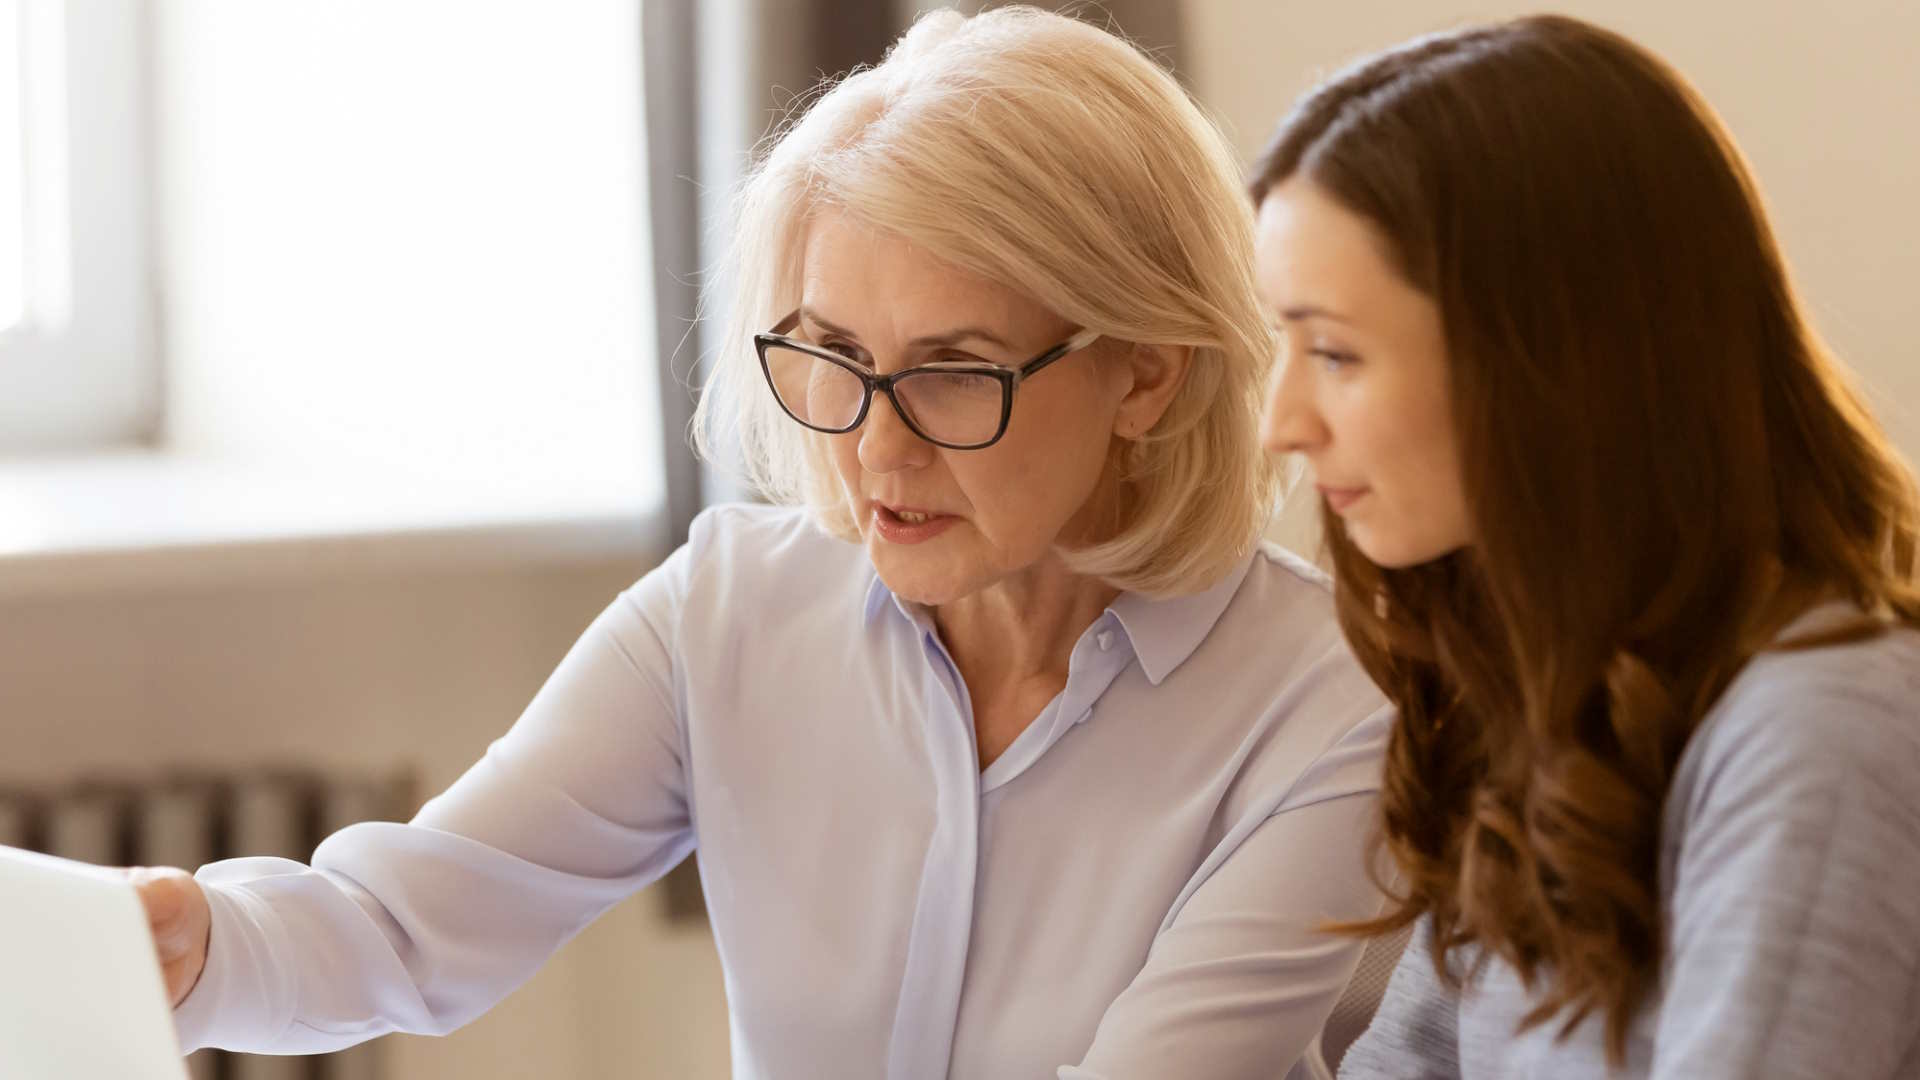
x=82, y=370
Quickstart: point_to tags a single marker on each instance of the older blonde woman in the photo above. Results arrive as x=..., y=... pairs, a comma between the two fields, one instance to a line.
x=1005, y=749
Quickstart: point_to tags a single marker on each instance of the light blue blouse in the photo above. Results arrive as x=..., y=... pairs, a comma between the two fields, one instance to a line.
x=1132, y=889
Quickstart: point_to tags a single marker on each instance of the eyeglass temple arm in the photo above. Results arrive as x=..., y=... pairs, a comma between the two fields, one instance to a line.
x=1066, y=348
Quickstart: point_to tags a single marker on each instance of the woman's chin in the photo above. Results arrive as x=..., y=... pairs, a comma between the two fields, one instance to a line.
x=1394, y=552
x=915, y=577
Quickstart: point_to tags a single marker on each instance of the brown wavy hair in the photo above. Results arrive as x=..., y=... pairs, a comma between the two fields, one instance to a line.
x=1663, y=466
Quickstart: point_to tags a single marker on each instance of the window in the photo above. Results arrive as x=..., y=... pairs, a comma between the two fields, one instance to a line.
x=399, y=277
x=405, y=253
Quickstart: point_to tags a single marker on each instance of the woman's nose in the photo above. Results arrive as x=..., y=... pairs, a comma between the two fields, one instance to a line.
x=887, y=444
x=1292, y=424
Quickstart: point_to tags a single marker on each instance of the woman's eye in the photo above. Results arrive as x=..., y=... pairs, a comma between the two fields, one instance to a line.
x=841, y=348
x=1333, y=359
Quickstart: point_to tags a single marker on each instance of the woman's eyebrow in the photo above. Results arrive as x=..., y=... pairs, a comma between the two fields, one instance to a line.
x=927, y=341
x=956, y=336
x=1312, y=311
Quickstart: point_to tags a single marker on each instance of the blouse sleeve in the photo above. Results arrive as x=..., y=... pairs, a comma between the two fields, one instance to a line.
x=421, y=927
x=1241, y=979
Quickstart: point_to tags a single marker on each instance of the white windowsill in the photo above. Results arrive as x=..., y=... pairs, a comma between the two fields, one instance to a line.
x=145, y=519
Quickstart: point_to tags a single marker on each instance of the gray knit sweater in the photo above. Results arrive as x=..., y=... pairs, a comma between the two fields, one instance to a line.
x=1790, y=892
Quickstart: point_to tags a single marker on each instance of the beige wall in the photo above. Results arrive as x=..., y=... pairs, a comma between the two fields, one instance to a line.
x=1822, y=97
x=359, y=659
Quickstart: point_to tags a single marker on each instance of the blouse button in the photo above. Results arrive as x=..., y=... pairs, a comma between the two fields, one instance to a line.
x=1104, y=639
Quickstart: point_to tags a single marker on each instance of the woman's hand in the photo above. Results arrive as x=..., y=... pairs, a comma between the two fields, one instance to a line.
x=177, y=914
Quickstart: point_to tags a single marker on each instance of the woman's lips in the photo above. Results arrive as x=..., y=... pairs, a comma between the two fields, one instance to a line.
x=1339, y=499
x=907, y=525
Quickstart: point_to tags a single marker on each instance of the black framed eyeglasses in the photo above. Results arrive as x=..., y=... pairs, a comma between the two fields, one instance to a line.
x=957, y=404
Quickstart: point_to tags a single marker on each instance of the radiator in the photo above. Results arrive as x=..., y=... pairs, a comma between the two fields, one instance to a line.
x=188, y=820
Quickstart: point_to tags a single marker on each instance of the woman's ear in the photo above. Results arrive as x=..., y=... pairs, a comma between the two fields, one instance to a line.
x=1158, y=372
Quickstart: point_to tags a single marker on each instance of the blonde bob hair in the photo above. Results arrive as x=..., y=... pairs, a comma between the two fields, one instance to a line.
x=1035, y=150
